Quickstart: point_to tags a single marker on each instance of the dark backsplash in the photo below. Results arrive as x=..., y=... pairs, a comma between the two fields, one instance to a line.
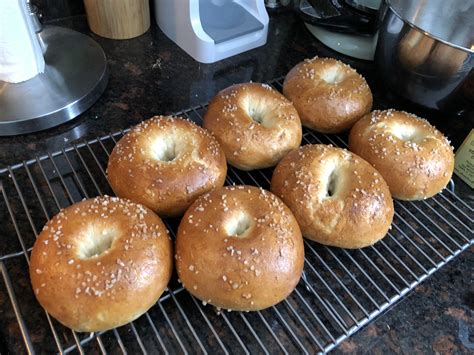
x=54, y=9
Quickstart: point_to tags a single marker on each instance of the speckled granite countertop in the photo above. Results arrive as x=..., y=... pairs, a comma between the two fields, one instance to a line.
x=150, y=75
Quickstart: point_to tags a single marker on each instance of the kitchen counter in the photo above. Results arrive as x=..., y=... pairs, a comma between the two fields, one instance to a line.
x=150, y=75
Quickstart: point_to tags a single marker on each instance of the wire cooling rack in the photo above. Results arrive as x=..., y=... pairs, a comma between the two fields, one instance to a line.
x=340, y=291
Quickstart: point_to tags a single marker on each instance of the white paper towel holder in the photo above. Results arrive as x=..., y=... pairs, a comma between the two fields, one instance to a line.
x=75, y=77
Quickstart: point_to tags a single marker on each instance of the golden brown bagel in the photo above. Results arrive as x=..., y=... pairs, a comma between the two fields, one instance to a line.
x=165, y=163
x=337, y=197
x=255, y=125
x=239, y=248
x=329, y=95
x=414, y=158
x=101, y=263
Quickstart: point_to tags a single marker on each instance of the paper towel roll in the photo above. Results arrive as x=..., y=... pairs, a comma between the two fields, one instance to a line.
x=21, y=56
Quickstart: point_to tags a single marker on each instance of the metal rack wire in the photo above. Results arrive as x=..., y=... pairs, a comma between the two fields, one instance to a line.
x=340, y=291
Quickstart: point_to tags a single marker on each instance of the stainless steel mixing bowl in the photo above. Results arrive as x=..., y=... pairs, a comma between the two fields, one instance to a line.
x=425, y=52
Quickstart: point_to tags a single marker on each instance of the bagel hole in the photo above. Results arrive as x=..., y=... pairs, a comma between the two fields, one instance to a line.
x=238, y=225
x=407, y=133
x=95, y=243
x=256, y=116
x=333, y=75
x=165, y=149
x=257, y=111
x=332, y=183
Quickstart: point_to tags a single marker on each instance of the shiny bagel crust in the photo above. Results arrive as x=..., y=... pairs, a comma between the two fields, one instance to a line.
x=249, y=271
x=255, y=125
x=165, y=163
x=329, y=95
x=415, y=159
x=101, y=263
x=337, y=197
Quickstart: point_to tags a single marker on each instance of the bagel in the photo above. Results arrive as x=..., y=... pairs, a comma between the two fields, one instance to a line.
x=165, y=163
x=415, y=159
x=239, y=248
x=255, y=125
x=329, y=95
x=337, y=197
x=101, y=263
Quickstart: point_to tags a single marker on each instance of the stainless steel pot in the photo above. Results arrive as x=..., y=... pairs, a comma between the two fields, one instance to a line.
x=425, y=52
